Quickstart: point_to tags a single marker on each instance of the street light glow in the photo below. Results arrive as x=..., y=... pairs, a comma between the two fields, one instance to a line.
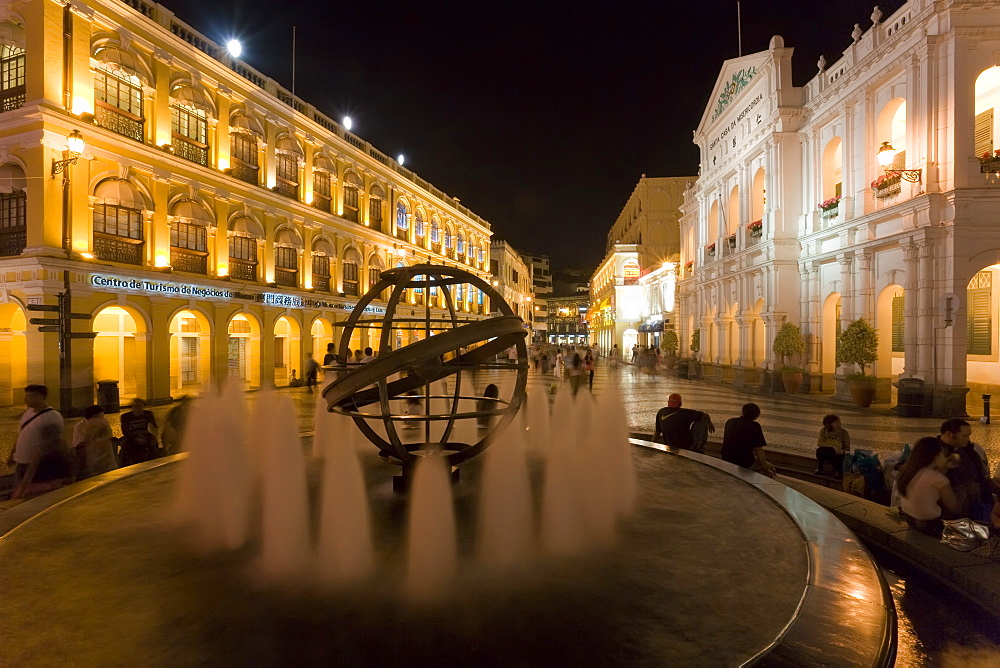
x=347, y=123
x=234, y=47
x=401, y=159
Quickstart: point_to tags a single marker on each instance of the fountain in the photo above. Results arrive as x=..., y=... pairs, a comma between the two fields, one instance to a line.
x=559, y=543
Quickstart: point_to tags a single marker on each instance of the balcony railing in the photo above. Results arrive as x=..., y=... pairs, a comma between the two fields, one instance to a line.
x=190, y=149
x=321, y=283
x=242, y=270
x=351, y=288
x=117, y=249
x=245, y=172
x=12, y=98
x=286, y=188
x=114, y=119
x=191, y=261
x=288, y=278
x=321, y=203
x=13, y=240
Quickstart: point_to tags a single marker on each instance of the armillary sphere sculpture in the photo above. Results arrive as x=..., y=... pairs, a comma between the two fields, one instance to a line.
x=450, y=341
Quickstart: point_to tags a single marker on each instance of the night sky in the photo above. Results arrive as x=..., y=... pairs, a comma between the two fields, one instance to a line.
x=541, y=116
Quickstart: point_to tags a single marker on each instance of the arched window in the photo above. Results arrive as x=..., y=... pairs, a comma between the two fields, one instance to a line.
x=376, y=208
x=189, y=225
x=286, y=258
x=287, y=156
x=448, y=243
x=460, y=244
x=733, y=215
x=436, y=236
x=244, y=234
x=833, y=169
x=12, y=82
x=244, y=133
x=402, y=220
x=375, y=267
x=118, y=232
x=352, y=188
x=13, y=210
x=352, y=259
x=987, y=99
x=322, y=196
x=118, y=93
x=322, y=252
x=189, y=114
x=420, y=228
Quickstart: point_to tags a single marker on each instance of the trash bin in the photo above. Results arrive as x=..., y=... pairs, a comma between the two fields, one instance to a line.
x=682, y=368
x=910, y=397
x=107, y=396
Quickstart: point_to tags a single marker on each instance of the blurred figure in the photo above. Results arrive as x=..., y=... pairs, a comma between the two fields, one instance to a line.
x=139, y=442
x=173, y=429
x=96, y=451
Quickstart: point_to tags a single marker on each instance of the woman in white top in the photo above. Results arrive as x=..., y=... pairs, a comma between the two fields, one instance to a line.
x=923, y=488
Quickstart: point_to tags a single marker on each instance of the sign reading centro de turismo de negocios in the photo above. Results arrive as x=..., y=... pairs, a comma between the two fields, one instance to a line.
x=205, y=292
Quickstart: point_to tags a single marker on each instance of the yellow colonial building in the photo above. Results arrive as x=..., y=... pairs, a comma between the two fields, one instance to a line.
x=206, y=222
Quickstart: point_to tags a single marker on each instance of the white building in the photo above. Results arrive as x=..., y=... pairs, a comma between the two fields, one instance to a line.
x=512, y=277
x=916, y=259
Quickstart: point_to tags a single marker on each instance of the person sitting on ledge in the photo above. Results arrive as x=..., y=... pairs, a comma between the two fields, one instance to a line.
x=682, y=427
x=833, y=443
x=294, y=381
x=924, y=491
x=969, y=475
x=743, y=442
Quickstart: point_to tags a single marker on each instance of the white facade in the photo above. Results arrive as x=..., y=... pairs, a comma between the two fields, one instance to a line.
x=512, y=277
x=922, y=79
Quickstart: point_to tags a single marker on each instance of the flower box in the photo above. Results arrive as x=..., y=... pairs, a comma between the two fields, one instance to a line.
x=989, y=163
x=689, y=267
x=756, y=228
x=830, y=207
x=826, y=214
x=710, y=249
x=886, y=186
x=731, y=240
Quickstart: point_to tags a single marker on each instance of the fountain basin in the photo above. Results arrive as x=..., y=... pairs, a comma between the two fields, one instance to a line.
x=711, y=570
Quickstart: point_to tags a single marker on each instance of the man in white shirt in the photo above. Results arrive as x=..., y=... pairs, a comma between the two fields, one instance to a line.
x=40, y=432
x=368, y=356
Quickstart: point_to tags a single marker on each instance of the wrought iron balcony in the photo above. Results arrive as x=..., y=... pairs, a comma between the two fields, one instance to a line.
x=185, y=260
x=288, y=278
x=286, y=188
x=245, y=172
x=113, y=248
x=242, y=270
x=114, y=119
x=351, y=288
x=190, y=149
x=322, y=203
x=321, y=283
x=12, y=98
x=13, y=240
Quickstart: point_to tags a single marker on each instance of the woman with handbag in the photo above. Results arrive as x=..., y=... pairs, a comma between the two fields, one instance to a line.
x=924, y=490
x=833, y=443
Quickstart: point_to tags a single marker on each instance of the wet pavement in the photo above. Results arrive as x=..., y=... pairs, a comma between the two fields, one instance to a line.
x=790, y=424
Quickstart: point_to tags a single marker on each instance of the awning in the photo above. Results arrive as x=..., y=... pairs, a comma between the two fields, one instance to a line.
x=187, y=96
x=117, y=60
x=651, y=326
x=247, y=125
x=119, y=193
x=246, y=227
x=192, y=211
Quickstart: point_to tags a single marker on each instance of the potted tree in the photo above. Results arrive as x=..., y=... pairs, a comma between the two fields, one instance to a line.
x=670, y=345
x=858, y=344
x=789, y=346
x=693, y=371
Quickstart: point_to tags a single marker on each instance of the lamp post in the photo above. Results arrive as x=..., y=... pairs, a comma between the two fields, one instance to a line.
x=74, y=148
x=886, y=154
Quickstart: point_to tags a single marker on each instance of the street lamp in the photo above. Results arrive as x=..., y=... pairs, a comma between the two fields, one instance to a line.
x=886, y=154
x=74, y=147
x=234, y=48
x=347, y=123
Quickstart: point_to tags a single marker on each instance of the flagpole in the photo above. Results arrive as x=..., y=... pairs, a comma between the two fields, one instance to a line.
x=293, y=61
x=739, y=28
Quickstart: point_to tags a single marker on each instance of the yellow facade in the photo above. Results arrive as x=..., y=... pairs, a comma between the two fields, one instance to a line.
x=214, y=226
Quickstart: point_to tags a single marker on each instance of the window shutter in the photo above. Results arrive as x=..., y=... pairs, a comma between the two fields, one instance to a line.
x=838, y=189
x=898, y=304
x=979, y=326
x=984, y=132
x=899, y=160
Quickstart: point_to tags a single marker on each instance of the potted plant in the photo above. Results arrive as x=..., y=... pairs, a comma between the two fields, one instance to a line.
x=670, y=345
x=858, y=344
x=756, y=228
x=830, y=207
x=710, y=249
x=689, y=267
x=989, y=163
x=886, y=186
x=731, y=239
x=789, y=345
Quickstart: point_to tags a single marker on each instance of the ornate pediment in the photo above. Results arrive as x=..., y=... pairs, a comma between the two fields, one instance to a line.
x=732, y=88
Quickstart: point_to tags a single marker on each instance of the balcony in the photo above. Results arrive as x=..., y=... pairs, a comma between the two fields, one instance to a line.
x=190, y=149
x=191, y=261
x=245, y=172
x=242, y=270
x=13, y=240
x=288, y=278
x=322, y=203
x=12, y=98
x=321, y=283
x=113, y=248
x=286, y=188
x=351, y=288
x=112, y=118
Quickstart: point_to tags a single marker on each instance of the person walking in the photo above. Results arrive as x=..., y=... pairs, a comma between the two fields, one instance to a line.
x=172, y=436
x=41, y=460
x=139, y=443
x=615, y=356
x=330, y=358
x=743, y=441
x=96, y=447
x=588, y=366
x=311, y=373
x=575, y=371
x=833, y=443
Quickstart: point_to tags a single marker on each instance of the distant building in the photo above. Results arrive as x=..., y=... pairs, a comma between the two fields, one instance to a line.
x=567, y=323
x=542, y=277
x=512, y=277
x=644, y=239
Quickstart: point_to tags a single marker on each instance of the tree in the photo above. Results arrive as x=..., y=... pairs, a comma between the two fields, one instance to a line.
x=789, y=343
x=696, y=341
x=858, y=344
x=670, y=342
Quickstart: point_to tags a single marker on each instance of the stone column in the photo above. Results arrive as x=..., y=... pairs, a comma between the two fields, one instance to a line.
x=158, y=350
x=865, y=307
x=925, y=309
x=911, y=361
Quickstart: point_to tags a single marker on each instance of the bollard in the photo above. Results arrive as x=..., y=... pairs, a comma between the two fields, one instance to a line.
x=986, y=409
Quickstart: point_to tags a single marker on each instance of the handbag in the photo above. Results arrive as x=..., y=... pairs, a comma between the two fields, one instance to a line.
x=964, y=534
